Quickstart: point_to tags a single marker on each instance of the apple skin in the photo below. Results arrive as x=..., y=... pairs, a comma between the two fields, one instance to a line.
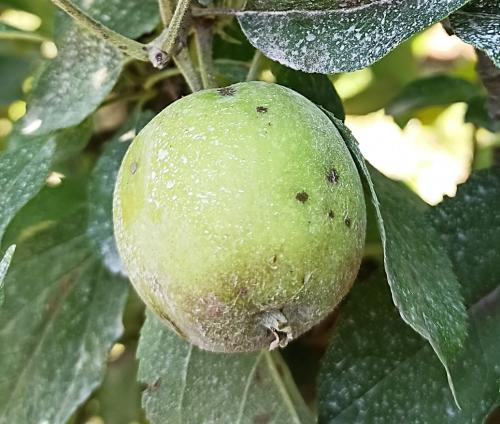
x=240, y=216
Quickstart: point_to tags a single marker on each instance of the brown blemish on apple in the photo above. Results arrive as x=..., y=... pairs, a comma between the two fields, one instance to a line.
x=302, y=197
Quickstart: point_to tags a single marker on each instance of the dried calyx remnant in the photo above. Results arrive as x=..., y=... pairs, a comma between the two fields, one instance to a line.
x=277, y=324
x=218, y=220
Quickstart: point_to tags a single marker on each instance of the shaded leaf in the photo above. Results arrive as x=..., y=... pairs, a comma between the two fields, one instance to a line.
x=22, y=175
x=316, y=87
x=189, y=385
x=329, y=36
x=101, y=189
x=490, y=77
x=72, y=85
x=4, y=267
x=477, y=114
x=46, y=209
x=61, y=316
x=376, y=369
x=436, y=90
x=469, y=228
x=424, y=288
x=131, y=18
x=478, y=24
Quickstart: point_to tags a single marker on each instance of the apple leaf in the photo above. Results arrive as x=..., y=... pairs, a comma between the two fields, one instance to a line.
x=329, y=36
x=469, y=228
x=189, y=385
x=436, y=90
x=316, y=87
x=478, y=23
x=61, y=315
x=131, y=18
x=72, y=85
x=4, y=266
x=424, y=288
x=377, y=369
x=22, y=175
x=101, y=189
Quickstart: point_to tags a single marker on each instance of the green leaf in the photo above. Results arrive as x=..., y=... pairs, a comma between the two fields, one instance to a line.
x=72, y=85
x=329, y=36
x=424, y=288
x=469, y=228
x=69, y=141
x=62, y=314
x=478, y=24
x=436, y=90
x=131, y=18
x=189, y=385
x=377, y=370
x=477, y=114
x=4, y=267
x=101, y=189
x=22, y=175
x=46, y=209
x=316, y=87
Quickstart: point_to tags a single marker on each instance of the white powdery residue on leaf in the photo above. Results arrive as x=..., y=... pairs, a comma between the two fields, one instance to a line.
x=339, y=39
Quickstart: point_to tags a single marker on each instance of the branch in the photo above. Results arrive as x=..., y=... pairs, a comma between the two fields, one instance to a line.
x=126, y=45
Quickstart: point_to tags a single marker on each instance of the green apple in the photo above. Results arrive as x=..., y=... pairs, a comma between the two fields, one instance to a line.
x=240, y=216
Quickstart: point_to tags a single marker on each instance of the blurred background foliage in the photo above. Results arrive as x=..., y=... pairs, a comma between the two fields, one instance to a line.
x=432, y=143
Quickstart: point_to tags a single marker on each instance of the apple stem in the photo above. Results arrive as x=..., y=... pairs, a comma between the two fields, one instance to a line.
x=255, y=66
x=128, y=46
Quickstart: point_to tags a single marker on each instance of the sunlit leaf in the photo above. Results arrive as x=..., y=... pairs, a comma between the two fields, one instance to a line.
x=478, y=24
x=327, y=37
x=72, y=85
x=22, y=175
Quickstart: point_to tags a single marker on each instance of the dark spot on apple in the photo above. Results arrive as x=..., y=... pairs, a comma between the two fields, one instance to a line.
x=105, y=36
x=331, y=215
x=262, y=419
x=227, y=91
x=262, y=109
x=275, y=258
x=302, y=197
x=124, y=48
x=332, y=176
x=133, y=168
x=347, y=222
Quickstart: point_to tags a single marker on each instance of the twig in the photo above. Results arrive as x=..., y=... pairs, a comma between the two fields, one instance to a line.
x=197, y=12
x=162, y=48
x=204, y=46
x=159, y=76
x=126, y=45
x=185, y=64
x=22, y=36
